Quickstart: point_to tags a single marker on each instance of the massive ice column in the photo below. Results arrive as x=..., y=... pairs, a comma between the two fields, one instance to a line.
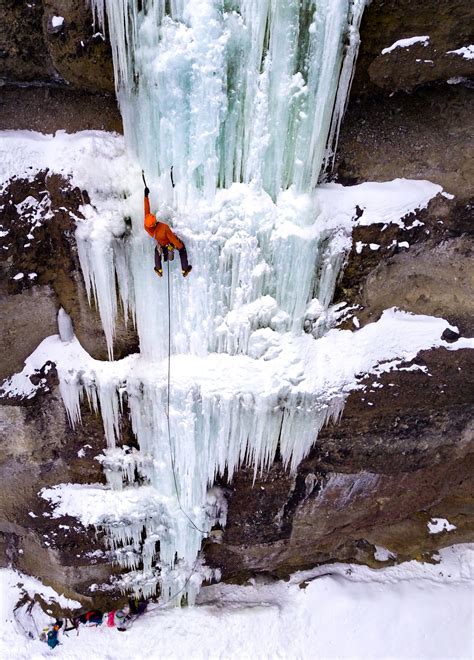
x=232, y=91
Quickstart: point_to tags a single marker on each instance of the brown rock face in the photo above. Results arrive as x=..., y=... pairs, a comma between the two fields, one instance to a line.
x=38, y=449
x=78, y=50
x=54, y=41
x=432, y=279
x=68, y=110
x=22, y=43
x=448, y=24
x=422, y=135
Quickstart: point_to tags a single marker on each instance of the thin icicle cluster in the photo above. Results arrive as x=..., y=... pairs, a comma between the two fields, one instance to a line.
x=244, y=100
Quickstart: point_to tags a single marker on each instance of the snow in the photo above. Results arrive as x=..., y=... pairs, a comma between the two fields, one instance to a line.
x=467, y=52
x=458, y=80
x=406, y=43
x=437, y=525
x=383, y=554
x=412, y=610
x=57, y=21
x=387, y=202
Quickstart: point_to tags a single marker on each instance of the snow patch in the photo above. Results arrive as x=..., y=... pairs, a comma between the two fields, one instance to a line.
x=57, y=21
x=428, y=605
x=467, y=52
x=437, y=525
x=382, y=554
x=406, y=43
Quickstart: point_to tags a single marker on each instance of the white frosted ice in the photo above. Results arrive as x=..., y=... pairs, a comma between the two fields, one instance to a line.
x=66, y=331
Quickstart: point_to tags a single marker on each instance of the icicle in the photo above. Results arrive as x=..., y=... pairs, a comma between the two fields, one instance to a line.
x=66, y=330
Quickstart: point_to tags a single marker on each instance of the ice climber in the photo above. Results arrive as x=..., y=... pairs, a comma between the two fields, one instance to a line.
x=166, y=241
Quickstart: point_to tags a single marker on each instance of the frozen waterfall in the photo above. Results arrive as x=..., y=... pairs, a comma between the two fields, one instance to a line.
x=244, y=100
x=232, y=90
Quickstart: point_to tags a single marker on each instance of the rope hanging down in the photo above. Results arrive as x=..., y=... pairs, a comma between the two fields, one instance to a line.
x=201, y=531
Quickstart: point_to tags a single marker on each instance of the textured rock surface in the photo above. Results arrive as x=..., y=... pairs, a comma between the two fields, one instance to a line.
x=428, y=279
x=423, y=135
x=79, y=52
x=68, y=109
x=22, y=43
x=448, y=23
x=38, y=449
x=34, y=48
x=426, y=269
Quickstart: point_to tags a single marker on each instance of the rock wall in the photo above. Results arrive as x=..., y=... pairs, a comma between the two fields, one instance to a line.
x=403, y=451
x=54, y=41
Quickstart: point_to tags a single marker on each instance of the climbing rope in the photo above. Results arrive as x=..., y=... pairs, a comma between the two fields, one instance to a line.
x=201, y=531
x=173, y=467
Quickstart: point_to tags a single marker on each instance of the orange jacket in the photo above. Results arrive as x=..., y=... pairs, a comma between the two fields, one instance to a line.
x=160, y=230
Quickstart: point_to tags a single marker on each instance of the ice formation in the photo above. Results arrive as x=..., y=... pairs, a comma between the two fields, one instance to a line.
x=232, y=90
x=244, y=100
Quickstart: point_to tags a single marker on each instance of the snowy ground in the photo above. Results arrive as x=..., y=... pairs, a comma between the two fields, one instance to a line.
x=414, y=610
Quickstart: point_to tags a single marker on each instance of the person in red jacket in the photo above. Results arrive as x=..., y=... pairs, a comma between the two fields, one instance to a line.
x=165, y=239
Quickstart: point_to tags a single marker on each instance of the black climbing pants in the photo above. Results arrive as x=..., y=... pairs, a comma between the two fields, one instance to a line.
x=183, y=255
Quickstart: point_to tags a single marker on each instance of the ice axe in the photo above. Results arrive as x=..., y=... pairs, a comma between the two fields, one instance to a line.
x=171, y=176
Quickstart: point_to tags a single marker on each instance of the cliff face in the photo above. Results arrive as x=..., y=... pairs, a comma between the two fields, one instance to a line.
x=54, y=41
x=403, y=451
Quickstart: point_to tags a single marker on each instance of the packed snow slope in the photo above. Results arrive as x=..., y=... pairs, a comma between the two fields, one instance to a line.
x=413, y=610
